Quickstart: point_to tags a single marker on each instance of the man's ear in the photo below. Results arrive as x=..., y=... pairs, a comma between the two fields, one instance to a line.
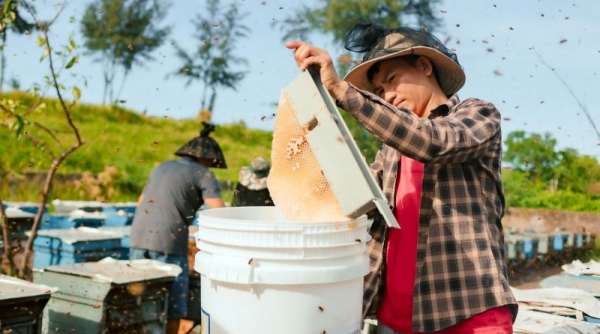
x=425, y=65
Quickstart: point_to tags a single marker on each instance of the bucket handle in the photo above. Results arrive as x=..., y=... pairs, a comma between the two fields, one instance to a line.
x=225, y=268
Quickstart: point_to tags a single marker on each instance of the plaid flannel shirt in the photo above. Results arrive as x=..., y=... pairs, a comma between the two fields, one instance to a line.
x=460, y=267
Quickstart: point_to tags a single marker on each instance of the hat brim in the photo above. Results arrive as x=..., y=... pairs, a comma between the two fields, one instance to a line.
x=204, y=148
x=450, y=75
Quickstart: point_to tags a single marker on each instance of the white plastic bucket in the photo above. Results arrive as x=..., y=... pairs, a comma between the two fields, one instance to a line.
x=263, y=274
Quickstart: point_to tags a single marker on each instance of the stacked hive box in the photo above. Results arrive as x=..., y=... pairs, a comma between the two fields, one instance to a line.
x=21, y=305
x=108, y=296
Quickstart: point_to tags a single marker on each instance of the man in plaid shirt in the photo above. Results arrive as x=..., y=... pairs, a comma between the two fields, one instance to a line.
x=440, y=169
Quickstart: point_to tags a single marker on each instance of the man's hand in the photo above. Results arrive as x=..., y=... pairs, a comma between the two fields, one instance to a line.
x=306, y=55
x=216, y=202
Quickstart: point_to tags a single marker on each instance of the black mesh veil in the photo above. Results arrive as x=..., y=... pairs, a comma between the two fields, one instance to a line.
x=204, y=147
x=369, y=38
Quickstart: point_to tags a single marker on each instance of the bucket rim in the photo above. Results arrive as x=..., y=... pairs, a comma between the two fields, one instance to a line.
x=269, y=220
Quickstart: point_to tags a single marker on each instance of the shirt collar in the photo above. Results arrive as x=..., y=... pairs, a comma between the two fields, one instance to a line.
x=444, y=109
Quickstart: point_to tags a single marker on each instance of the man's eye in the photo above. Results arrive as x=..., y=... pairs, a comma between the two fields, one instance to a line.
x=391, y=78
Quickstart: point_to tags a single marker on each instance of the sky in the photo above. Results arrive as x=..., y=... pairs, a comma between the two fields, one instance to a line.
x=537, y=61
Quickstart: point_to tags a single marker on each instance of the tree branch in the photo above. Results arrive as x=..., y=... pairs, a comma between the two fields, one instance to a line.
x=36, y=104
x=36, y=142
x=34, y=123
x=62, y=7
x=7, y=257
x=583, y=107
x=60, y=98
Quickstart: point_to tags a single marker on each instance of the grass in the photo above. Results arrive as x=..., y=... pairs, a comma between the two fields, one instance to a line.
x=113, y=136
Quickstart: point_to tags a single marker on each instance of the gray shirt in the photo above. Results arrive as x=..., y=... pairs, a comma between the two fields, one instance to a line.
x=174, y=192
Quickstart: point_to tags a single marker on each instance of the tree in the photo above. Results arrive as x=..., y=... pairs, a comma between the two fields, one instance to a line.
x=124, y=33
x=218, y=33
x=577, y=172
x=337, y=17
x=18, y=117
x=534, y=154
x=10, y=17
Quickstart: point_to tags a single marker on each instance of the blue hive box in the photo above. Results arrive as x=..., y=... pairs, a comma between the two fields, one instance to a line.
x=124, y=231
x=61, y=220
x=66, y=207
x=30, y=207
x=119, y=218
x=77, y=245
x=128, y=207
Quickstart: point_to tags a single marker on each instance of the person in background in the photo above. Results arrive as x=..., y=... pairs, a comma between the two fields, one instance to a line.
x=439, y=166
x=251, y=189
x=175, y=190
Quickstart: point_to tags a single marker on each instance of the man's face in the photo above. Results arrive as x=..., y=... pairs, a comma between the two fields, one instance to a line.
x=403, y=84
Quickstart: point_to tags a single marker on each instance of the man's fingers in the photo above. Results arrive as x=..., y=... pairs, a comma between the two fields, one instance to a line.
x=319, y=61
x=306, y=55
x=293, y=44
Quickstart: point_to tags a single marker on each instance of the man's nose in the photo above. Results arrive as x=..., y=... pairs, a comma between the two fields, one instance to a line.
x=389, y=96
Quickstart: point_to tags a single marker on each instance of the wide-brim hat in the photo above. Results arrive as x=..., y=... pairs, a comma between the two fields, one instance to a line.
x=380, y=43
x=260, y=166
x=204, y=147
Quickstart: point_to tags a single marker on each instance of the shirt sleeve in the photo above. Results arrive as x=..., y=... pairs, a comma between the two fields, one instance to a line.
x=465, y=134
x=210, y=185
x=377, y=168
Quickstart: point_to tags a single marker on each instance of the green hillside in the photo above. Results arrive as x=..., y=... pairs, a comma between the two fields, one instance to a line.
x=113, y=136
x=132, y=144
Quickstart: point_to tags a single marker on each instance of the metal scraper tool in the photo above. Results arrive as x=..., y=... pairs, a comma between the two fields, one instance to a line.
x=339, y=157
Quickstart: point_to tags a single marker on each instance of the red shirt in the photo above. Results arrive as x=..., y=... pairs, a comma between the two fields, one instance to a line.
x=396, y=307
x=395, y=311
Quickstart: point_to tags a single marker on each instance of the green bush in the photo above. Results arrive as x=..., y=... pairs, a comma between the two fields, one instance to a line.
x=521, y=192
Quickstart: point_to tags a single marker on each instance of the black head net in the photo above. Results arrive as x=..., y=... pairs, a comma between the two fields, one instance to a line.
x=204, y=147
x=369, y=38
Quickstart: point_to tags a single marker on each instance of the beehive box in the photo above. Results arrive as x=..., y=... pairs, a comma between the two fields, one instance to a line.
x=125, y=232
x=109, y=296
x=119, y=218
x=61, y=221
x=21, y=305
x=19, y=222
x=30, y=207
x=68, y=246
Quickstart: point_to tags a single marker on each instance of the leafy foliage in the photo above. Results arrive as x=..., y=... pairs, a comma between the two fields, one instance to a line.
x=580, y=174
x=10, y=17
x=217, y=33
x=534, y=154
x=542, y=177
x=124, y=33
x=336, y=17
